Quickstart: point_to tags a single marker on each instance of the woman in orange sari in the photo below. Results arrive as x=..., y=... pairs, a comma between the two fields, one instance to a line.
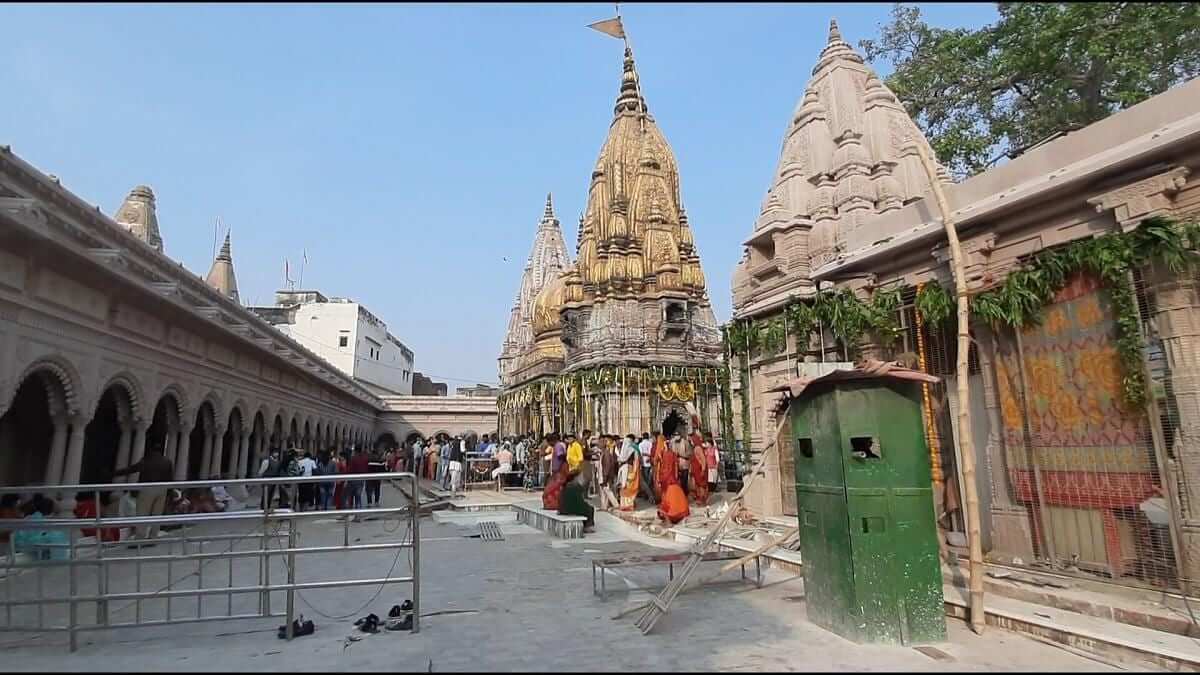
x=665, y=465
x=674, y=505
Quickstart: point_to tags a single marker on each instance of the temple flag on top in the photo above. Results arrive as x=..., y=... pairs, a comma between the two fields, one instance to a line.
x=611, y=27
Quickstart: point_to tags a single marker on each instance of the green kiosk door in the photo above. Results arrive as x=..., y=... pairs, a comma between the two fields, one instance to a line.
x=865, y=507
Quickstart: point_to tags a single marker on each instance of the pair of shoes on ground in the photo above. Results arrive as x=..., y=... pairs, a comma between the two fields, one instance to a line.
x=368, y=624
x=400, y=617
x=300, y=628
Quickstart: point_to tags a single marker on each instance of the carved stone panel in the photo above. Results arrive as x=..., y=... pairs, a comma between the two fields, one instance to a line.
x=1143, y=199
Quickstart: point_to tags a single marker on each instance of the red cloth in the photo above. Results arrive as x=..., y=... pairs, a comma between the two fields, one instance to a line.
x=87, y=509
x=360, y=463
x=552, y=495
x=674, y=505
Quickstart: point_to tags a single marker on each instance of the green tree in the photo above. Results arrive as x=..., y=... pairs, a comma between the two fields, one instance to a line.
x=1041, y=69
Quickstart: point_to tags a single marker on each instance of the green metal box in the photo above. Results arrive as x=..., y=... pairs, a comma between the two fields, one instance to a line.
x=864, y=499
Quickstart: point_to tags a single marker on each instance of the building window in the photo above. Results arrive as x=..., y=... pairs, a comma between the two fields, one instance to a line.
x=343, y=341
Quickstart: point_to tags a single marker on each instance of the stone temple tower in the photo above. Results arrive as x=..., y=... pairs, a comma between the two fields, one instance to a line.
x=633, y=316
x=547, y=259
x=137, y=214
x=846, y=158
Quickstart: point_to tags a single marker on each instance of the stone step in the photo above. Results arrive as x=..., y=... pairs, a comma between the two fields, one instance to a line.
x=551, y=522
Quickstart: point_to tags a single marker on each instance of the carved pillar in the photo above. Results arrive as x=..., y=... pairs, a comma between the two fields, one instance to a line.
x=58, y=452
x=125, y=447
x=243, y=457
x=219, y=450
x=1177, y=318
x=206, y=455
x=75, y=451
x=171, y=443
x=139, y=442
x=185, y=442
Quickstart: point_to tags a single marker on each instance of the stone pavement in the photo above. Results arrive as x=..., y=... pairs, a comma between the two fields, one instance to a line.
x=534, y=611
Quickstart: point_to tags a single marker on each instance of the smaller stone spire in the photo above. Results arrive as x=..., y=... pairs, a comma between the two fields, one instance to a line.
x=836, y=47
x=221, y=276
x=138, y=215
x=548, y=214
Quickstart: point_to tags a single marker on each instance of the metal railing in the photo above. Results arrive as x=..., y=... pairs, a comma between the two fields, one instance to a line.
x=70, y=561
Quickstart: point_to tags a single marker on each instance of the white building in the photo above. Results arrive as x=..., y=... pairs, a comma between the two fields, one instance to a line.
x=347, y=335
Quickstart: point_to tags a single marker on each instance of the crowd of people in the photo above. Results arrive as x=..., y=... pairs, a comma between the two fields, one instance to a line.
x=156, y=467
x=668, y=469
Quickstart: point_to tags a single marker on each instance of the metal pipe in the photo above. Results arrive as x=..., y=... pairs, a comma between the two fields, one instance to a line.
x=291, y=576
x=416, y=556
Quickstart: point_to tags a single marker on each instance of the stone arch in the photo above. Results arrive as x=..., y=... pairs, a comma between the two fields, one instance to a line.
x=182, y=402
x=318, y=439
x=108, y=436
x=166, y=424
x=135, y=392
x=386, y=440
x=202, y=439
x=293, y=431
x=413, y=436
x=227, y=451
x=33, y=428
x=65, y=400
x=306, y=432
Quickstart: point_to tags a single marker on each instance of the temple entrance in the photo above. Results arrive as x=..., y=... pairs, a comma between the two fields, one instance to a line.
x=673, y=422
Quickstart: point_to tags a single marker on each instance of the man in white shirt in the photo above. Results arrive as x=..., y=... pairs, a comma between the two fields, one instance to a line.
x=505, y=458
x=307, y=490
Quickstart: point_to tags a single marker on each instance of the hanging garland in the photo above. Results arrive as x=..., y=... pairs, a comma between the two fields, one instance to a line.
x=1019, y=301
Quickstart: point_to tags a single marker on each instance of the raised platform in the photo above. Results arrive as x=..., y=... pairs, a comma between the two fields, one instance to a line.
x=551, y=522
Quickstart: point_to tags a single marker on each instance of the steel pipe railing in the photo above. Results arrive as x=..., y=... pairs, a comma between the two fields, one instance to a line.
x=268, y=524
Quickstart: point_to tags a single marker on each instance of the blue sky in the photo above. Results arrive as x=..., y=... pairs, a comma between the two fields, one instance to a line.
x=408, y=148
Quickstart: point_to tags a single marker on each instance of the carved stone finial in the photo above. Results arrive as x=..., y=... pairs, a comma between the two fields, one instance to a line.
x=835, y=35
x=548, y=214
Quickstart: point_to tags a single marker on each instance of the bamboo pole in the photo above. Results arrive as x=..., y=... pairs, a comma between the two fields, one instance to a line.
x=965, y=442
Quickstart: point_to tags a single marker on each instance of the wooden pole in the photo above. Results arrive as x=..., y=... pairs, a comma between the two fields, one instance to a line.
x=965, y=443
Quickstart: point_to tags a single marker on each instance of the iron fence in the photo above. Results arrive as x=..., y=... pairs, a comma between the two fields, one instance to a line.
x=80, y=566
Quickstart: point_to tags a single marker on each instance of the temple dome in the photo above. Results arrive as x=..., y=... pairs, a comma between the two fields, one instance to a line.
x=547, y=308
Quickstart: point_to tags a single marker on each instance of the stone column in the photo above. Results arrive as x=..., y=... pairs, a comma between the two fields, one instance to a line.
x=206, y=455
x=171, y=443
x=75, y=451
x=1177, y=317
x=139, y=442
x=125, y=448
x=242, y=459
x=219, y=450
x=181, y=463
x=58, y=453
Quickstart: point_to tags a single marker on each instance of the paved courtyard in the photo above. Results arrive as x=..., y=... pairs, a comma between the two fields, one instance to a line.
x=533, y=609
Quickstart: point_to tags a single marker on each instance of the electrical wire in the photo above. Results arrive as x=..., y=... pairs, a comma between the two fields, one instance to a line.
x=378, y=591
